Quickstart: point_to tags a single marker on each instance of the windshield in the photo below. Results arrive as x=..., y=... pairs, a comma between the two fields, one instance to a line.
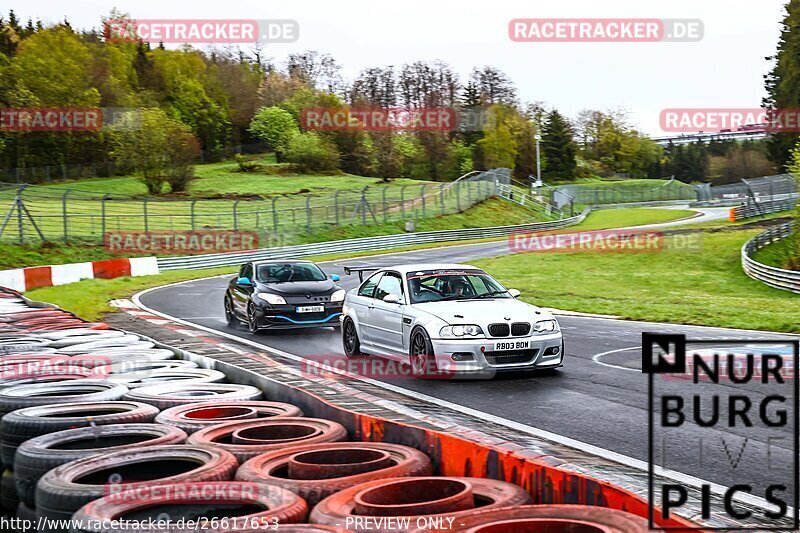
x=449, y=285
x=289, y=272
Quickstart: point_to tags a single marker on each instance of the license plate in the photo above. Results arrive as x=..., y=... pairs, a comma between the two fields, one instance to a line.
x=511, y=345
x=311, y=309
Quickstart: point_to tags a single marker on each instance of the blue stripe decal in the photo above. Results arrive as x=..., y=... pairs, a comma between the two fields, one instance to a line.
x=326, y=319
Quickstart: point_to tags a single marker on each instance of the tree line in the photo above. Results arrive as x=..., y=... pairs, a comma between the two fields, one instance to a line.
x=211, y=101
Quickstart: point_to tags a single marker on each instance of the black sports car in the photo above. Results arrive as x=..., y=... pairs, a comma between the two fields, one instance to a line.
x=283, y=295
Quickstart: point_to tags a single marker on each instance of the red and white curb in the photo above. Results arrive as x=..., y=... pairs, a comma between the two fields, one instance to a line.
x=25, y=279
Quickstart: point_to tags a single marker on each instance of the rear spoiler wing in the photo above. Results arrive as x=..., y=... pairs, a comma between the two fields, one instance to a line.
x=360, y=270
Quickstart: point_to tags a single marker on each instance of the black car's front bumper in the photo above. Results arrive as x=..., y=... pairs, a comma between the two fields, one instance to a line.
x=287, y=317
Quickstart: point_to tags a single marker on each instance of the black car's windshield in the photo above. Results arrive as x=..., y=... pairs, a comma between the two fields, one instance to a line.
x=288, y=272
x=448, y=285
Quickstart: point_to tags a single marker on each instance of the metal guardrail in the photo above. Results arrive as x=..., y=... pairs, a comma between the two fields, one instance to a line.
x=754, y=209
x=364, y=244
x=779, y=278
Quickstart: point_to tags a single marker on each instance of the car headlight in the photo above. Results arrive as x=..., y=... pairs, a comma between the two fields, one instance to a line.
x=273, y=299
x=468, y=330
x=545, y=326
x=338, y=296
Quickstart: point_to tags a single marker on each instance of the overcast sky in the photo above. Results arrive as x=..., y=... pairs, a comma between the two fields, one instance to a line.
x=724, y=70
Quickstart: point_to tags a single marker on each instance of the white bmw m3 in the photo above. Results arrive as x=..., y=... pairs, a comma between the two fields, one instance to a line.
x=447, y=319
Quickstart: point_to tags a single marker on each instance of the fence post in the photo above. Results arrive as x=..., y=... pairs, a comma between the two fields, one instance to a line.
x=64, y=213
x=144, y=206
x=275, y=216
x=103, y=216
x=336, y=205
x=422, y=197
x=192, y=213
x=441, y=197
x=308, y=215
x=458, y=196
x=236, y=215
x=403, y=201
x=364, y=206
x=385, y=214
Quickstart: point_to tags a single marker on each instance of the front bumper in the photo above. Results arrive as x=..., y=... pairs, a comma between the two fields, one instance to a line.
x=538, y=355
x=287, y=317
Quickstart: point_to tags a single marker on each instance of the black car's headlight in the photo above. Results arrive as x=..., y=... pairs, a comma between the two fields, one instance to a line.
x=468, y=330
x=338, y=296
x=272, y=299
x=545, y=326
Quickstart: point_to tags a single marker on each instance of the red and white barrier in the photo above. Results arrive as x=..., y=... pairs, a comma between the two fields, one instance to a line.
x=25, y=279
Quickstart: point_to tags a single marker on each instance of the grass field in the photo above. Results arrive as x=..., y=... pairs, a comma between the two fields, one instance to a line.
x=223, y=179
x=704, y=287
x=777, y=254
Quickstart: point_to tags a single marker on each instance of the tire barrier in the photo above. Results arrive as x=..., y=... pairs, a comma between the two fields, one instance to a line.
x=143, y=378
x=551, y=519
x=273, y=506
x=316, y=471
x=415, y=498
x=9, y=501
x=165, y=396
x=36, y=456
x=197, y=416
x=67, y=488
x=18, y=426
x=19, y=396
x=249, y=438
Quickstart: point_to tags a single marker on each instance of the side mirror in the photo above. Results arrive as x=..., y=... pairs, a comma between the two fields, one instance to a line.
x=335, y=278
x=391, y=299
x=514, y=293
x=244, y=282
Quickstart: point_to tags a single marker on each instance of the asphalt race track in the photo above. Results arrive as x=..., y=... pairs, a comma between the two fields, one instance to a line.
x=599, y=397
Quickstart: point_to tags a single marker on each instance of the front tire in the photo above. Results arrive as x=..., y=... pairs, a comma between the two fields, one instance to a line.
x=230, y=317
x=350, y=341
x=252, y=321
x=421, y=357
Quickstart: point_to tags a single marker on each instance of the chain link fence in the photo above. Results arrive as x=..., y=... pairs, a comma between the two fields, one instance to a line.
x=36, y=213
x=623, y=192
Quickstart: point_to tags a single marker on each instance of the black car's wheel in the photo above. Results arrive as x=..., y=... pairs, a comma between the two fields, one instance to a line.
x=421, y=358
x=230, y=318
x=350, y=342
x=252, y=321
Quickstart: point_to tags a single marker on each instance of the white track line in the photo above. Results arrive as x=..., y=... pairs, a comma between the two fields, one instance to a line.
x=522, y=428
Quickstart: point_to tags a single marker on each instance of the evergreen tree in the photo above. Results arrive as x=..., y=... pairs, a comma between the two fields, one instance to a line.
x=783, y=83
x=558, y=148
